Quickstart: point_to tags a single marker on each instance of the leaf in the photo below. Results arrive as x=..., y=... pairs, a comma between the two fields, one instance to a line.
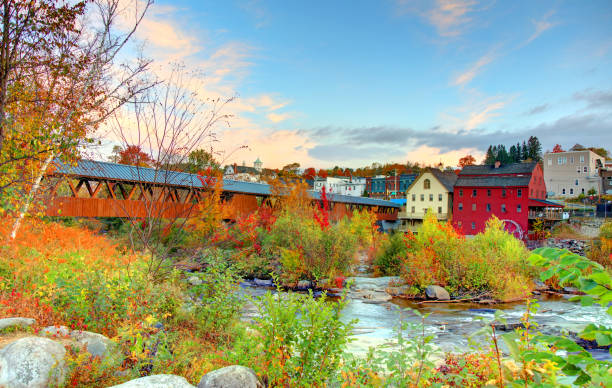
x=511, y=340
x=603, y=339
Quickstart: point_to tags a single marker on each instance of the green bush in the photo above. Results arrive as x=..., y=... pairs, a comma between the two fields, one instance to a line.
x=393, y=252
x=296, y=341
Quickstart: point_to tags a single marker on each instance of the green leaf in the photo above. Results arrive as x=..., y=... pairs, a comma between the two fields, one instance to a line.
x=603, y=339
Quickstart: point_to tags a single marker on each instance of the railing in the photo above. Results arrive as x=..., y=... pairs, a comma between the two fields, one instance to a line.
x=420, y=215
x=545, y=215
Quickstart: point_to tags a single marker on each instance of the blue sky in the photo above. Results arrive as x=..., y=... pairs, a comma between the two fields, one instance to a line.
x=349, y=83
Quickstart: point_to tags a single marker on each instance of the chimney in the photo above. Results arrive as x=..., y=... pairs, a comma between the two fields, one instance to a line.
x=235, y=168
x=497, y=164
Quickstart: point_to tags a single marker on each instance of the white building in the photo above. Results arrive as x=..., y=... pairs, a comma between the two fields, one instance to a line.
x=571, y=173
x=352, y=186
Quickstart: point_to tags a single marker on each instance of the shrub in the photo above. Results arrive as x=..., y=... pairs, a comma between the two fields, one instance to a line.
x=393, y=251
x=296, y=341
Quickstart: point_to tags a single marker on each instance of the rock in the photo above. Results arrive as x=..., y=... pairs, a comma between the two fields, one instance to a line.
x=263, y=282
x=234, y=376
x=304, y=284
x=156, y=381
x=16, y=322
x=32, y=362
x=399, y=290
x=55, y=331
x=508, y=326
x=540, y=286
x=372, y=297
x=97, y=344
x=194, y=280
x=571, y=290
x=373, y=284
x=437, y=292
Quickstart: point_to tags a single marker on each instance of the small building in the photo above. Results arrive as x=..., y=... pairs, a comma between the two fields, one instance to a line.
x=431, y=191
x=351, y=186
x=376, y=187
x=245, y=173
x=571, y=173
x=515, y=193
x=389, y=187
x=606, y=180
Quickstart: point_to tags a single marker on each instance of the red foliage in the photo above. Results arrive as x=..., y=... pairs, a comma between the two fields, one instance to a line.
x=557, y=148
x=310, y=173
x=135, y=156
x=321, y=212
x=467, y=160
x=322, y=173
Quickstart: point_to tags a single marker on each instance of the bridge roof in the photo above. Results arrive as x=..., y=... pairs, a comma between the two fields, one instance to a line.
x=122, y=172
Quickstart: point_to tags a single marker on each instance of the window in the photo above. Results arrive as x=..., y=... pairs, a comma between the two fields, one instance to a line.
x=439, y=197
x=474, y=193
x=519, y=193
x=581, y=158
x=488, y=207
x=412, y=209
x=460, y=206
x=563, y=191
x=422, y=197
x=550, y=161
x=585, y=169
x=560, y=160
x=413, y=197
x=576, y=182
x=488, y=192
x=583, y=190
x=459, y=224
x=503, y=192
x=426, y=184
x=503, y=208
x=518, y=208
x=461, y=192
x=578, y=170
x=431, y=197
x=439, y=209
x=571, y=191
x=474, y=207
x=473, y=225
x=571, y=159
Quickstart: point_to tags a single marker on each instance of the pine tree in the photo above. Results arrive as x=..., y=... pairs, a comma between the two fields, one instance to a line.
x=534, y=148
x=524, y=151
x=519, y=152
x=490, y=157
x=502, y=154
x=513, y=153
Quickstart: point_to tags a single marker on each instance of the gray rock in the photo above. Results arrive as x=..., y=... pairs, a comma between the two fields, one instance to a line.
x=372, y=297
x=373, y=284
x=16, y=322
x=304, y=284
x=234, y=376
x=263, y=282
x=55, y=331
x=398, y=291
x=32, y=362
x=97, y=344
x=194, y=280
x=156, y=381
x=437, y=292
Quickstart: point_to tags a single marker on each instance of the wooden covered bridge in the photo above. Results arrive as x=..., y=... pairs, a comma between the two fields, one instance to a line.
x=101, y=189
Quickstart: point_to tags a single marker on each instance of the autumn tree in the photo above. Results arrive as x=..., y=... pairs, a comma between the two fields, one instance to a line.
x=60, y=81
x=309, y=173
x=467, y=160
x=557, y=148
x=134, y=156
x=201, y=160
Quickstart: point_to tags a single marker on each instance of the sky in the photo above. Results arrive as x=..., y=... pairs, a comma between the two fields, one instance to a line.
x=349, y=83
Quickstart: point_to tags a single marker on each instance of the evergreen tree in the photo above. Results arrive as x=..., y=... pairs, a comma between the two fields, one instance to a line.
x=502, y=154
x=519, y=152
x=490, y=157
x=513, y=153
x=534, y=149
x=524, y=151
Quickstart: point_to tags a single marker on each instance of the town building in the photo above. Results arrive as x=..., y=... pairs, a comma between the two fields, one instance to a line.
x=351, y=186
x=571, y=173
x=389, y=187
x=246, y=173
x=606, y=180
x=515, y=193
x=431, y=191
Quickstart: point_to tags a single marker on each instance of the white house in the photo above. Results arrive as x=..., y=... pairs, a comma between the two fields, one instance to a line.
x=351, y=186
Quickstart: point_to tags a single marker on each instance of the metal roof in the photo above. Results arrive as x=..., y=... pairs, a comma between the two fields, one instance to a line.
x=512, y=168
x=123, y=172
x=492, y=181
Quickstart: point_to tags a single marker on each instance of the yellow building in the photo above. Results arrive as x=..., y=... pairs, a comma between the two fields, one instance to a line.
x=430, y=191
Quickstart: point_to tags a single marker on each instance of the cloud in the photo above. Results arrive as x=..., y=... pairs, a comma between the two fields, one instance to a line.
x=537, y=109
x=278, y=117
x=450, y=18
x=480, y=117
x=468, y=75
x=541, y=26
x=595, y=98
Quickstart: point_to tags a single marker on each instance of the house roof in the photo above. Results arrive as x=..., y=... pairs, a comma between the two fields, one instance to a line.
x=492, y=181
x=123, y=172
x=534, y=202
x=512, y=168
x=447, y=178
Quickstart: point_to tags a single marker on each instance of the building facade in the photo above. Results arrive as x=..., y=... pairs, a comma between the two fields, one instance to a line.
x=514, y=193
x=351, y=186
x=606, y=180
x=389, y=187
x=571, y=173
x=431, y=191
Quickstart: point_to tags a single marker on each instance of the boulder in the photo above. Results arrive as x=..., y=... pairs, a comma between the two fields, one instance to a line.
x=55, y=331
x=399, y=290
x=16, y=322
x=371, y=297
x=234, y=376
x=263, y=282
x=97, y=344
x=32, y=362
x=194, y=280
x=304, y=284
x=156, y=381
x=437, y=292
